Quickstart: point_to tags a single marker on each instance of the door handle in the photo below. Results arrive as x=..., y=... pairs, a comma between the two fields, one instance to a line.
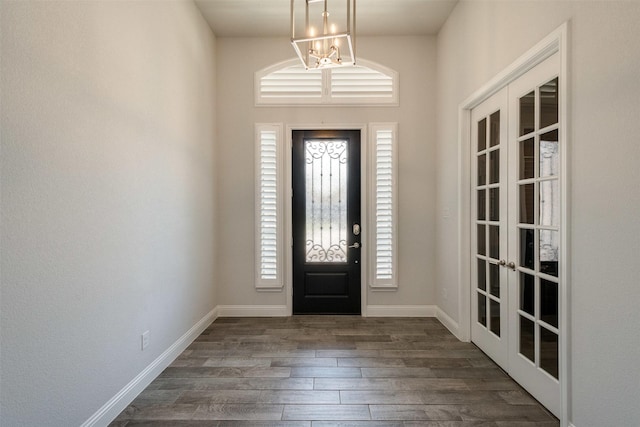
x=511, y=265
x=356, y=245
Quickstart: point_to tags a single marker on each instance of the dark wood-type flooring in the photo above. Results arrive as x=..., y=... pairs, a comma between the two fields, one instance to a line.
x=319, y=371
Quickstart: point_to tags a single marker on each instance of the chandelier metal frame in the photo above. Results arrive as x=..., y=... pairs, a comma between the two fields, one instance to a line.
x=323, y=50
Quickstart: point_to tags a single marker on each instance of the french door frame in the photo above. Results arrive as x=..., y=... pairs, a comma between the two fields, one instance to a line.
x=288, y=208
x=556, y=42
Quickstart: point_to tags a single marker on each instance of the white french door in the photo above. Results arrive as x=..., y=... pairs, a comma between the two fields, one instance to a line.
x=489, y=236
x=516, y=229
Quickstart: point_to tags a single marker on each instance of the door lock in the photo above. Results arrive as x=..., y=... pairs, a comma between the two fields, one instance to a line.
x=356, y=229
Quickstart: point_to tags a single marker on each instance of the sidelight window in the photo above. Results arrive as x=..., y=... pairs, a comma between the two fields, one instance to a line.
x=383, y=208
x=269, y=222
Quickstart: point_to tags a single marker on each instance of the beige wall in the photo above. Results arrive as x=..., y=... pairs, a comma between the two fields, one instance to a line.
x=479, y=40
x=108, y=198
x=117, y=189
x=414, y=59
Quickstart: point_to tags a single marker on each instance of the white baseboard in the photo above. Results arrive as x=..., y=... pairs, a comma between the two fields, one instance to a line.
x=124, y=397
x=448, y=322
x=253, y=311
x=401, y=311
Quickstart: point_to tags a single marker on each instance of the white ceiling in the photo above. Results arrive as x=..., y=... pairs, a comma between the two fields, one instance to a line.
x=270, y=18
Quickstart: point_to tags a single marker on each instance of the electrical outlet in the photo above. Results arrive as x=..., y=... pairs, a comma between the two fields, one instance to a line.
x=144, y=343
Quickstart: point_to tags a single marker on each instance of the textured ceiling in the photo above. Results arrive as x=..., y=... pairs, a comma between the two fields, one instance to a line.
x=270, y=18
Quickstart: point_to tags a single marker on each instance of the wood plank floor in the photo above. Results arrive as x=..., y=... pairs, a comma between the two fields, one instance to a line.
x=319, y=371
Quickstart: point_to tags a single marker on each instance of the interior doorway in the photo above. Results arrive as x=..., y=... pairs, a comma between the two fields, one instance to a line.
x=516, y=228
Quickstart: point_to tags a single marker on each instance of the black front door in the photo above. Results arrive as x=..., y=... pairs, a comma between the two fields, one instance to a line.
x=326, y=222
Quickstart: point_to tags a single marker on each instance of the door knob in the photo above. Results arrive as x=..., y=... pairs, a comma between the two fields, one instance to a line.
x=356, y=245
x=502, y=262
x=512, y=265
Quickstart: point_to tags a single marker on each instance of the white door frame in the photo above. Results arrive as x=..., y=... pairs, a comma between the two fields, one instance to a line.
x=364, y=222
x=557, y=41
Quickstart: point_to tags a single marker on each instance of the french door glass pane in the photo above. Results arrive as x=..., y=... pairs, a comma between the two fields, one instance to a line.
x=494, y=310
x=482, y=134
x=549, y=252
x=527, y=113
x=494, y=130
x=482, y=274
x=549, y=103
x=527, y=203
x=482, y=240
x=494, y=204
x=494, y=241
x=482, y=205
x=549, y=302
x=326, y=200
x=482, y=169
x=494, y=167
x=527, y=160
x=549, y=203
x=527, y=248
x=494, y=279
x=527, y=338
x=482, y=309
x=549, y=351
x=527, y=289
x=549, y=154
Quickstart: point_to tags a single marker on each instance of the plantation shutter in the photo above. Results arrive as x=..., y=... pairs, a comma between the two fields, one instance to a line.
x=268, y=207
x=288, y=83
x=384, y=205
x=360, y=82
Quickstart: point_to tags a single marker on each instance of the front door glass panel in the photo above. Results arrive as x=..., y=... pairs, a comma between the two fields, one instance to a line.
x=326, y=200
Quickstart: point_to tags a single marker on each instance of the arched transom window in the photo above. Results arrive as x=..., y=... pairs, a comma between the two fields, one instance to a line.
x=288, y=83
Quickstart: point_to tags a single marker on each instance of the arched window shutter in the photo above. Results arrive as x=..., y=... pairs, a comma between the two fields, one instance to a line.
x=288, y=83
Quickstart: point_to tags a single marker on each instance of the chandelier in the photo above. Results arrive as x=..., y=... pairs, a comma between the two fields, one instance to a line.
x=327, y=40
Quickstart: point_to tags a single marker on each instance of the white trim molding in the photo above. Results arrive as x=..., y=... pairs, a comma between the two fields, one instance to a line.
x=448, y=322
x=401, y=311
x=253, y=311
x=114, y=406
